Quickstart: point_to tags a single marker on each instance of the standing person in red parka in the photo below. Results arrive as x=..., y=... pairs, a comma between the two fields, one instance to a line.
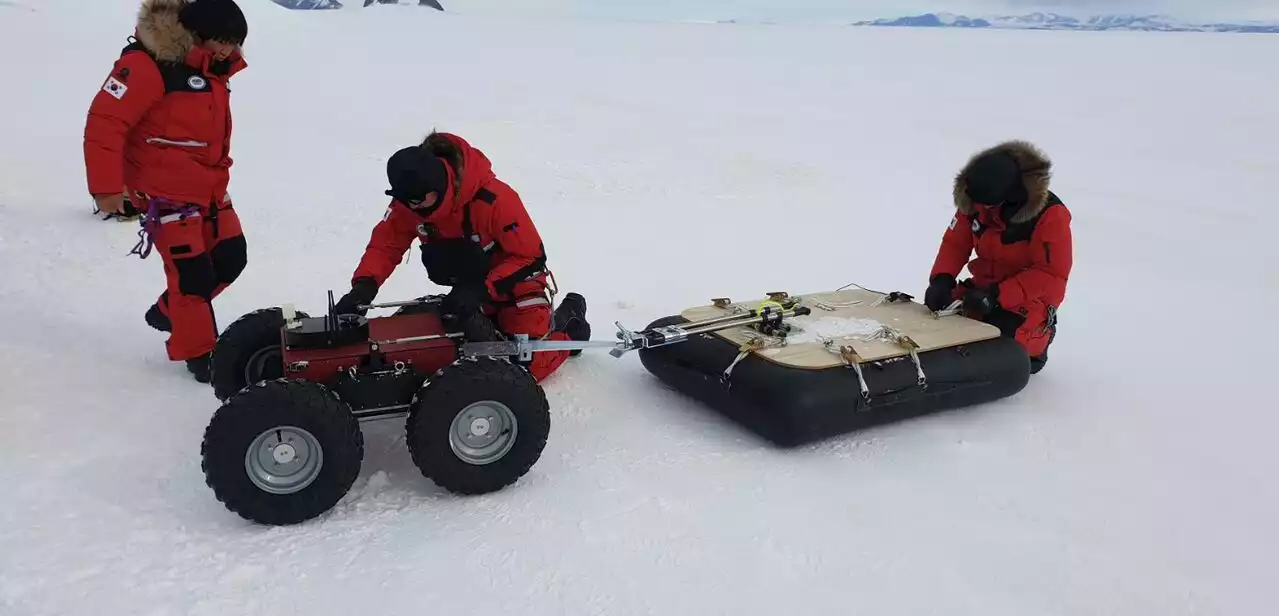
x=1022, y=234
x=477, y=238
x=161, y=127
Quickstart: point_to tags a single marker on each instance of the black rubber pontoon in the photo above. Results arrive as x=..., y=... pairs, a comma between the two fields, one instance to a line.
x=791, y=406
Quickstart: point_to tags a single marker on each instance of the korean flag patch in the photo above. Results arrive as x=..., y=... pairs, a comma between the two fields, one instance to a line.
x=115, y=87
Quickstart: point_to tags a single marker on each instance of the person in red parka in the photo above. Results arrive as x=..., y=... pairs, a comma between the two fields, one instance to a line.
x=477, y=238
x=1021, y=232
x=160, y=126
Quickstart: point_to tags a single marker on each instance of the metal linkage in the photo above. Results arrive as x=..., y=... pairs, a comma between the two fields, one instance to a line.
x=524, y=348
x=409, y=339
x=409, y=302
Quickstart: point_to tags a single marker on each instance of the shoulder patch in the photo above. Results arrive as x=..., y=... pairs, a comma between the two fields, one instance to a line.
x=951, y=226
x=387, y=214
x=115, y=87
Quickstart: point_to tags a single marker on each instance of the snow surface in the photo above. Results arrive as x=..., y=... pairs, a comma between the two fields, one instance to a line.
x=666, y=165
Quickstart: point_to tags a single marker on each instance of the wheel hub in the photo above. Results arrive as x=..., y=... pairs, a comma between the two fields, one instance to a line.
x=284, y=453
x=283, y=460
x=483, y=432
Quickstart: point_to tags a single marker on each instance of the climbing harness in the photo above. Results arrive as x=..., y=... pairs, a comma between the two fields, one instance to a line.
x=156, y=216
x=1050, y=319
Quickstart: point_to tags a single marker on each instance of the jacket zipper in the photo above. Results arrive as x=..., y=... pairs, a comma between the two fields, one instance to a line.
x=190, y=143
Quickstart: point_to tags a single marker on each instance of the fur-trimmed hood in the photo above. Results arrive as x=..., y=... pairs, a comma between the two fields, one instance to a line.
x=1035, y=167
x=468, y=168
x=159, y=30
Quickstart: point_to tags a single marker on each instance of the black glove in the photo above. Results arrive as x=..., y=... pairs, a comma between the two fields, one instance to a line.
x=981, y=301
x=939, y=294
x=462, y=308
x=463, y=301
x=363, y=290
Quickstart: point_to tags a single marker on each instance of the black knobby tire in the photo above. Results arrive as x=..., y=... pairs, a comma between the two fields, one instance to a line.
x=283, y=408
x=248, y=352
x=482, y=389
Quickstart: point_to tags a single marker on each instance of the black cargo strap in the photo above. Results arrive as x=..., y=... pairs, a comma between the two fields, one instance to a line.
x=213, y=218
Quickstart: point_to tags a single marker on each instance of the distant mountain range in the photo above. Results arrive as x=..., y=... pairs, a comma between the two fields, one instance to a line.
x=1030, y=21
x=307, y=5
x=1053, y=21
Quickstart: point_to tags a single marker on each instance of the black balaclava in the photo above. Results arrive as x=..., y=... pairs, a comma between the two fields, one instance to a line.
x=995, y=179
x=413, y=172
x=215, y=20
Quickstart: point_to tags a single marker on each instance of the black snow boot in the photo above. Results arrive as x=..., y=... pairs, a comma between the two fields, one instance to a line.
x=157, y=320
x=571, y=318
x=199, y=367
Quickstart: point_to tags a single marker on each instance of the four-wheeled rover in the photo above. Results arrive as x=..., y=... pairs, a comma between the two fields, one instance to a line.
x=286, y=445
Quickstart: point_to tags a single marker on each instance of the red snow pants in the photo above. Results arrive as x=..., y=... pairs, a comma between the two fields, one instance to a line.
x=203, y=253
x=530, y=313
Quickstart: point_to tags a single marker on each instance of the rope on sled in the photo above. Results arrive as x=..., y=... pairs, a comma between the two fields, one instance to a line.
x=886, y=334
x=894, y=296
x=852, y=360
x=754, y=343
x=893, y=336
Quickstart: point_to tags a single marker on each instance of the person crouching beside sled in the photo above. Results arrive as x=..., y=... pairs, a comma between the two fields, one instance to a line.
x=1021, y=232
x=161, y=125
x=478, y=239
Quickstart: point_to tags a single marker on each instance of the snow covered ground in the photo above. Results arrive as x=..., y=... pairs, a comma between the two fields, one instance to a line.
x=665, y=165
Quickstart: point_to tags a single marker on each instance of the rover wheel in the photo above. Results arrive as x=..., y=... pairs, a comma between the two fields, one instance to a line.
x=282, y=452
x=248, y=352
x=478, y=426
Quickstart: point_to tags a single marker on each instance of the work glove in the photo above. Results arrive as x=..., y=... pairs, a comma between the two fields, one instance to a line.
x=981, y=301
x=938, y=296
x=462, y=307
x=362, y=292
x=464, y=300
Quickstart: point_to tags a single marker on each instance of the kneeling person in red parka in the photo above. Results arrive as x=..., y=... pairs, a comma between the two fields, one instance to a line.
x=1021, y=232
x=160, y=126
x=477, y=238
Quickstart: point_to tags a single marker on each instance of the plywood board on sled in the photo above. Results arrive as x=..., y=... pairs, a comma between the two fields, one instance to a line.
x=848, y=318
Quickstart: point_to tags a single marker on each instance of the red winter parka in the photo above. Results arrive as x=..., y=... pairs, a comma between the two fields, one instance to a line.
x=1025, y=254
x=480, y=216
x=161, y=123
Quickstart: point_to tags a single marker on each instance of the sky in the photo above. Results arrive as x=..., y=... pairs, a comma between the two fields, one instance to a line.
x=1190, y=10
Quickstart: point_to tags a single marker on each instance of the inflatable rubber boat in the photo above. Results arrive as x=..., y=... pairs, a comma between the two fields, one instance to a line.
x=858, y=358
